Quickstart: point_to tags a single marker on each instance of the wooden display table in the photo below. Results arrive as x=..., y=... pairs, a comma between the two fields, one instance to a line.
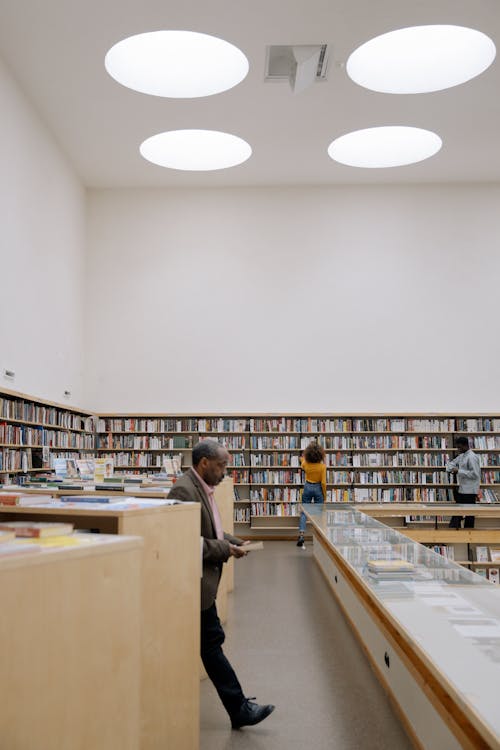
x=170, y=588
x=427, y=634
x=70, y=647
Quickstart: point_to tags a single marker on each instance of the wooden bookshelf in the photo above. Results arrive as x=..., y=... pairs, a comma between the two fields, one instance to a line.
x=169, y=609
x=380, y=458
x=370, y=457
x=30, y=426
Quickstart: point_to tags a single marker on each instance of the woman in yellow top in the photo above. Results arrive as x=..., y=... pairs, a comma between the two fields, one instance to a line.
x=313, y=464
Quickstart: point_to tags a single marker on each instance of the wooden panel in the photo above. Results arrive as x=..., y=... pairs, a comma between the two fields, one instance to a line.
x=69, y=649
x=171, y=626
x=170, y=611
x=452, y=536
x=224, y=495
x=399, y=510
x=275, y=522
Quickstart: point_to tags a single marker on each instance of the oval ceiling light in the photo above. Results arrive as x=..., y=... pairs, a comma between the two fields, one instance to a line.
x=195, y=150
x=421, y=59
x=176, y=64
x=388, y=146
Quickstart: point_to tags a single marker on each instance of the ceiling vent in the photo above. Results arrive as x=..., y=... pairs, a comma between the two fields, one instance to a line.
x=301, y=65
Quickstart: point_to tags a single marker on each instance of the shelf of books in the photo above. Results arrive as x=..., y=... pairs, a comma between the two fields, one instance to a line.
x=35, y=432
x=370, y=458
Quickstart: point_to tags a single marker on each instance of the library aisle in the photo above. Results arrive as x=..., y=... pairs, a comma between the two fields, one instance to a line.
x=291, y=646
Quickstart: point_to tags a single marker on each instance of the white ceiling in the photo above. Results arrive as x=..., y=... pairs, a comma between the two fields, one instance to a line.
x=55, y=49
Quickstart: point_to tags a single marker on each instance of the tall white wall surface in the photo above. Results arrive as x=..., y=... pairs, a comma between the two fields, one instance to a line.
x=42, y=254
x=295, y=300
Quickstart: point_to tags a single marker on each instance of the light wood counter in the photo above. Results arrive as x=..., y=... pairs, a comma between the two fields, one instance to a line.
x=170, y=589
x=70, y=647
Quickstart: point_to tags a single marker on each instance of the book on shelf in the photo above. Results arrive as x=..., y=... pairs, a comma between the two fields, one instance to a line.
x=494, y=575
x=65, y=468
x=103, y=467
x=495, y=554
x=18, y=499
x=123, y=479
x=110, y=486
x=37, y=529
x=85, y=467
x=172, y=465
x=482, y=554
x=105, y=499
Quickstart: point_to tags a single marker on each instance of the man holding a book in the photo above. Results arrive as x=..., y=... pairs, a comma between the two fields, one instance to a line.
x=198, y=484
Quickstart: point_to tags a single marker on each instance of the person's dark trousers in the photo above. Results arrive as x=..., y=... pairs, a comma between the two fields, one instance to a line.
x=218, y=667
x=469, y=520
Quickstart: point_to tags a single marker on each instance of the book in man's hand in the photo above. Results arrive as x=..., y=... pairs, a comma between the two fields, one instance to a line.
x=253, y=546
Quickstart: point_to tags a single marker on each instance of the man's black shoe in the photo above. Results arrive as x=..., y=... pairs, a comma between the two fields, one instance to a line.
x=250, y=714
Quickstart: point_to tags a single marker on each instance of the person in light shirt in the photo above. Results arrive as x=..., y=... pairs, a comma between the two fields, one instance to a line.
x=198, y=484
x=468, y=470
x=313, y=464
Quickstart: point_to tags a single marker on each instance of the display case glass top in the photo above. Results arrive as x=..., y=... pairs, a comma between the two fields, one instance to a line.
x=449, y=614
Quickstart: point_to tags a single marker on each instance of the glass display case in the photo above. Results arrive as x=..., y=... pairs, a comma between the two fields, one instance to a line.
x=450, y=614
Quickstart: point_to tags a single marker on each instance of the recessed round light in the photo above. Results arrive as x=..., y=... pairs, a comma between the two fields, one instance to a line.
x=421, y=59
x=177, y=64
x=195, y=150
x=388, y=146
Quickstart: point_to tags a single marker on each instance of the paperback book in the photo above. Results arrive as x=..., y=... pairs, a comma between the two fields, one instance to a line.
x=37, y=529
x=106, y=499
x=13, y=499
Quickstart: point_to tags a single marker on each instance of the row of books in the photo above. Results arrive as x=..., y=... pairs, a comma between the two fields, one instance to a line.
x=143, y=442
x=482, y=553
x=384, y=460
x=22, y=435
x=359, y=495
x=311, y=425
x=364, y=424
x=184, y=424
x=277, y=494
x=242, y=515
x=283, y=476
x=365, y=495
x=15, y=460
x=445, y=550
x=28, y=411
x=144, y=460
x=407, y=460
x=265, y=508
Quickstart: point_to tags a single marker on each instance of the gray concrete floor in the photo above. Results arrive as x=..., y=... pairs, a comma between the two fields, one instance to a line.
x=290, y=645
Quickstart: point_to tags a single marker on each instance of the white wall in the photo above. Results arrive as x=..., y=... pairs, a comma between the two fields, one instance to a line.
x=344, y=299
x=42, y=255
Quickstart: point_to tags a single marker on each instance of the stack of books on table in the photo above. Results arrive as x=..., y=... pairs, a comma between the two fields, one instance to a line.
x=36, y=529
x=18, y=499
x=30, y=536
x=95, y=499
x=394, y=569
